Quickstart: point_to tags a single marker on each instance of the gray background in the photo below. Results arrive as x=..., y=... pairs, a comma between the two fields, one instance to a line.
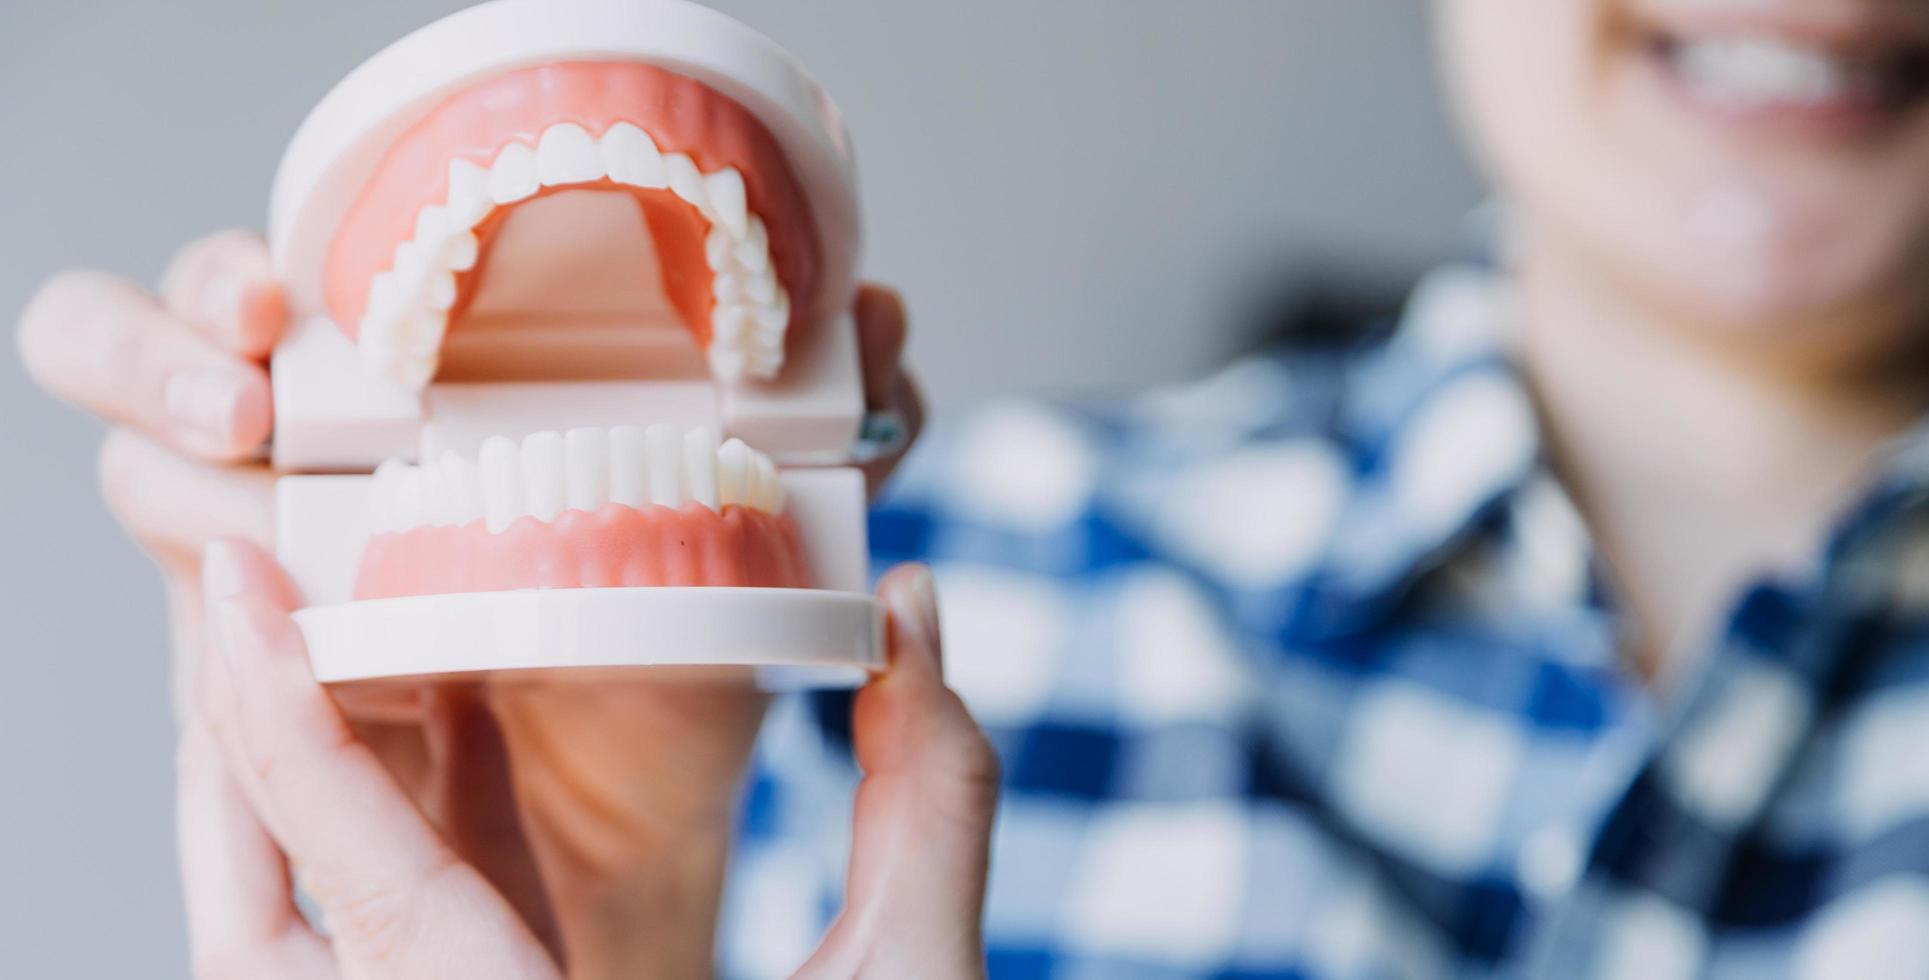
x=1074, y=195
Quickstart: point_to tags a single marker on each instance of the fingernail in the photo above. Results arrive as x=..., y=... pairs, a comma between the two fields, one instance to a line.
x=221, y=301
x=206, y=400
x=914, y=604
x=925, y=588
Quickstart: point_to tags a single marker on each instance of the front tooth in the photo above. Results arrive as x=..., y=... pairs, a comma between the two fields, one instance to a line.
x=588, y=454
x=409, y=510
x=725, y=191
x=439, y=292
x=733, y=468
x=629, y=471
x=631, y=157
x=435, y=496
x=381, y=496
x=501, y=482
x=568, y=155
x=662, y=447
x=686, y=180
x=770, y=492
x=514, y=175
x=700, y=466
x=464, y=482
x=469, y=200
x=542, y=474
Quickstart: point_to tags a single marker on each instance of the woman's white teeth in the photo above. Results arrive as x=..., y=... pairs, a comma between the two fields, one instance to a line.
x=401, y=330
x=583, y=469
x=1760, y=71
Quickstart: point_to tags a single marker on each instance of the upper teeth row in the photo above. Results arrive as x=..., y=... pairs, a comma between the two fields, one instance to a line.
x=408, y=304
x=582, y=469
x=1765, y=70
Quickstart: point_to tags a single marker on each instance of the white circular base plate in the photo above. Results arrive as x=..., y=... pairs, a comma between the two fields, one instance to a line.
x=791, y=638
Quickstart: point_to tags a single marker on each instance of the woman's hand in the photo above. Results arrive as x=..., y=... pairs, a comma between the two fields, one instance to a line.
x=618, y=797
x=275, y=787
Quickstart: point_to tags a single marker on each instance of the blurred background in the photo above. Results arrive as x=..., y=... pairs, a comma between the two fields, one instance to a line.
x=1082, y=196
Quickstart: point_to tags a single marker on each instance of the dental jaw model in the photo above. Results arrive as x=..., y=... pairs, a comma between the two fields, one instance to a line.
x=573, y=375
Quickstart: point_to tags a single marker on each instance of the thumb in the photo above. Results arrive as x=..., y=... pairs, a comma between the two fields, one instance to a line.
x=921, y=835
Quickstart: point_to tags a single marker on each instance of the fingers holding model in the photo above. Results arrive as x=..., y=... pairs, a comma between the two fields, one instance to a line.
x=274, y=785
x=273, y=778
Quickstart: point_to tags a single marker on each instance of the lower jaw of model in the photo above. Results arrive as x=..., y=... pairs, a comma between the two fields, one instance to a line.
x=715, y=241
x=620, y=507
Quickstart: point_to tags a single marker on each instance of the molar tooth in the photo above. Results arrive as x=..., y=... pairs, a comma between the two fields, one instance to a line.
x=762, y=286
x=700, y=466
x=726, y=361
x=727, y=287
x=587, y=453
x=773, y=318
x=733, y=462
x=418, y=333
x=501, y=482
x=384, y=296
x=726, y=194
x=439, y=291
x=514, y=175
x=686, y=180
x=662, y=447
x=753, y=252
x=469, y=200
x=464, y=482
x=567, y=155
x=542, y=474
x=631, y=157
x=629, y=471
x=728, y=322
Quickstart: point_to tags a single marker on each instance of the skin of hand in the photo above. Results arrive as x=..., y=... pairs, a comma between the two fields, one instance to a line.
x=601, y=814
x=275, y=786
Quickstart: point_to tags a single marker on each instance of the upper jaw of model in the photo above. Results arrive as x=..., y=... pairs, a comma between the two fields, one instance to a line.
x=724, y=217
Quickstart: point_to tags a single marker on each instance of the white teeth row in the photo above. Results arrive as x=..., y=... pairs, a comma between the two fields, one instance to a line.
x=582, y=469
x=408, y=304
x=1758, y=71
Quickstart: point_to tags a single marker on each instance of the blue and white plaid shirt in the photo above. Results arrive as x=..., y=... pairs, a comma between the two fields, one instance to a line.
x=1306, y=670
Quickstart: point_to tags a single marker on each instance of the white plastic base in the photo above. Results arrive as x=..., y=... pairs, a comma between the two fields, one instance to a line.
x=792, y=638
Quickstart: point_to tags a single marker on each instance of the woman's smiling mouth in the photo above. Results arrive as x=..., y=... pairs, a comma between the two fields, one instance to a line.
x=1840, y=77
